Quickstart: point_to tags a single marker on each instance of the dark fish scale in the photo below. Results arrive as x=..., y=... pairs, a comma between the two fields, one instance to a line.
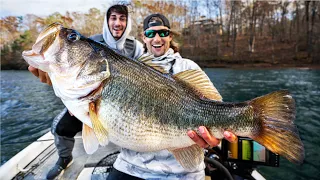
x=146, y=93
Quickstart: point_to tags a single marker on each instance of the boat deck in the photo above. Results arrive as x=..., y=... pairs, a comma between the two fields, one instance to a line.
x=35, y=161
x=82, y=163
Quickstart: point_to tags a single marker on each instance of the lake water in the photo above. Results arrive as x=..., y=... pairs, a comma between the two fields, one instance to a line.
x=28, y=107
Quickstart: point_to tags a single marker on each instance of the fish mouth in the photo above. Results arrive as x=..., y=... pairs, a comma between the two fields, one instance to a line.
x=29, y=53
x=44, y=40
x=36, y=56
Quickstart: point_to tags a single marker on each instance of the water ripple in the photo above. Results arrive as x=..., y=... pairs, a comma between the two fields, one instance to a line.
x=27, y=110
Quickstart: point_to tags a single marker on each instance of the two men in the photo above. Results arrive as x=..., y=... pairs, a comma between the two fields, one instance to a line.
x=158, y=39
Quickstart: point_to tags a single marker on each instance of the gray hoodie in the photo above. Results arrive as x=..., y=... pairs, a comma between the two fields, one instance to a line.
x=119, y=45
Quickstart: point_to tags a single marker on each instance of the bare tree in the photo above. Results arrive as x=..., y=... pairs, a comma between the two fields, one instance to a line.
x=307, y=25
x=271, y=24
x=218, y=5
x=252, y=28
x=229, y=25
x=284, y=9
x=297, y=20
x=313, y=15
x=235, y=8
x=261, y=25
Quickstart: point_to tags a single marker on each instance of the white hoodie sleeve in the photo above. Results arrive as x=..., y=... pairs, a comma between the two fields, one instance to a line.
x=184, y=65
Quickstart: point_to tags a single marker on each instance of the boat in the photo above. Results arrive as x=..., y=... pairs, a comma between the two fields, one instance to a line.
x=35, y=161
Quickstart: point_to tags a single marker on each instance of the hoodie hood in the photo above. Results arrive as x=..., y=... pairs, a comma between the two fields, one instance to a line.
x=109, y=39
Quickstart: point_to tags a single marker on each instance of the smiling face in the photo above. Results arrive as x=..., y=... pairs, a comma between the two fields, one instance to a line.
x=157, y=45
x=117, y=24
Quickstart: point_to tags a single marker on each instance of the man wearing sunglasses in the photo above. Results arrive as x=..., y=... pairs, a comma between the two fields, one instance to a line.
x=158, y=39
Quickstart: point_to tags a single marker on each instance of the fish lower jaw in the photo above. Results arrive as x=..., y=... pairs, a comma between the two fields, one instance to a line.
x=29, y=53
x=69, y=91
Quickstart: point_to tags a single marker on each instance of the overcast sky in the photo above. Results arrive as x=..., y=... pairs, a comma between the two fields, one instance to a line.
x=46, y=7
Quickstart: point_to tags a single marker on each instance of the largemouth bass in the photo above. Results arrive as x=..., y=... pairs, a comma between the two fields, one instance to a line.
x=140, y=108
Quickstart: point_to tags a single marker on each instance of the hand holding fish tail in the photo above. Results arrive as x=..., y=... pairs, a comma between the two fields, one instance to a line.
x=206, y=140
x=229, y=136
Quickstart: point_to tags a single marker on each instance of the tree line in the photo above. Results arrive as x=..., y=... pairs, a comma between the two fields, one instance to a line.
x=213, y=32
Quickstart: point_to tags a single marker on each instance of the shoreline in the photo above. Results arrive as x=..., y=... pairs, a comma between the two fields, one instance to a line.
x=232, y=66
x=260, y=66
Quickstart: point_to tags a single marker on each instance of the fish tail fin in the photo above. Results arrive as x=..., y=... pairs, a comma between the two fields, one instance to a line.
x=277, y=132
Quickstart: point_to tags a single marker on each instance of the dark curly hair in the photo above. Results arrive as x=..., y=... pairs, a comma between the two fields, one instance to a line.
x=118, y=8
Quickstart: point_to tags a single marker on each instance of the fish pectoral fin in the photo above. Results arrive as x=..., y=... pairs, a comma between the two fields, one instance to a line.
x=90, y=141
x=189, y=157
x=147, y=59
x=199, y=82
x=100, y=132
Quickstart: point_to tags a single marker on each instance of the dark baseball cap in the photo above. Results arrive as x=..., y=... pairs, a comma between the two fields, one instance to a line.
x=155, y=20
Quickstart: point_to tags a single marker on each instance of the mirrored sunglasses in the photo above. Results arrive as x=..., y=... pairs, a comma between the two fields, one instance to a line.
x=161, y=32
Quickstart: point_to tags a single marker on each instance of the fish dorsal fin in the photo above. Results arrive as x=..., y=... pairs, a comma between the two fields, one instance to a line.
x=90, y=142
x=147, y=60
x=199, y=82
x=189, y=157
x=100, y=132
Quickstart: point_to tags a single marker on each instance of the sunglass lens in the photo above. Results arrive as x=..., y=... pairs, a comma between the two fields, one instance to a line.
x=163, y=33
x=150, y=33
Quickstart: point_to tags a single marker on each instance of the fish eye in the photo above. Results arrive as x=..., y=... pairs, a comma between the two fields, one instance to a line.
x=73, y=36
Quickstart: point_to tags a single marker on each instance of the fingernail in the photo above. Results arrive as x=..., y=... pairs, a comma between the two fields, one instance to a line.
x=191, y=135
x=201, y=129
x=227, y=134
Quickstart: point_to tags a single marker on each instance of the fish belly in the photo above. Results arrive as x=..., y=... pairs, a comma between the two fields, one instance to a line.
x=132, y=130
